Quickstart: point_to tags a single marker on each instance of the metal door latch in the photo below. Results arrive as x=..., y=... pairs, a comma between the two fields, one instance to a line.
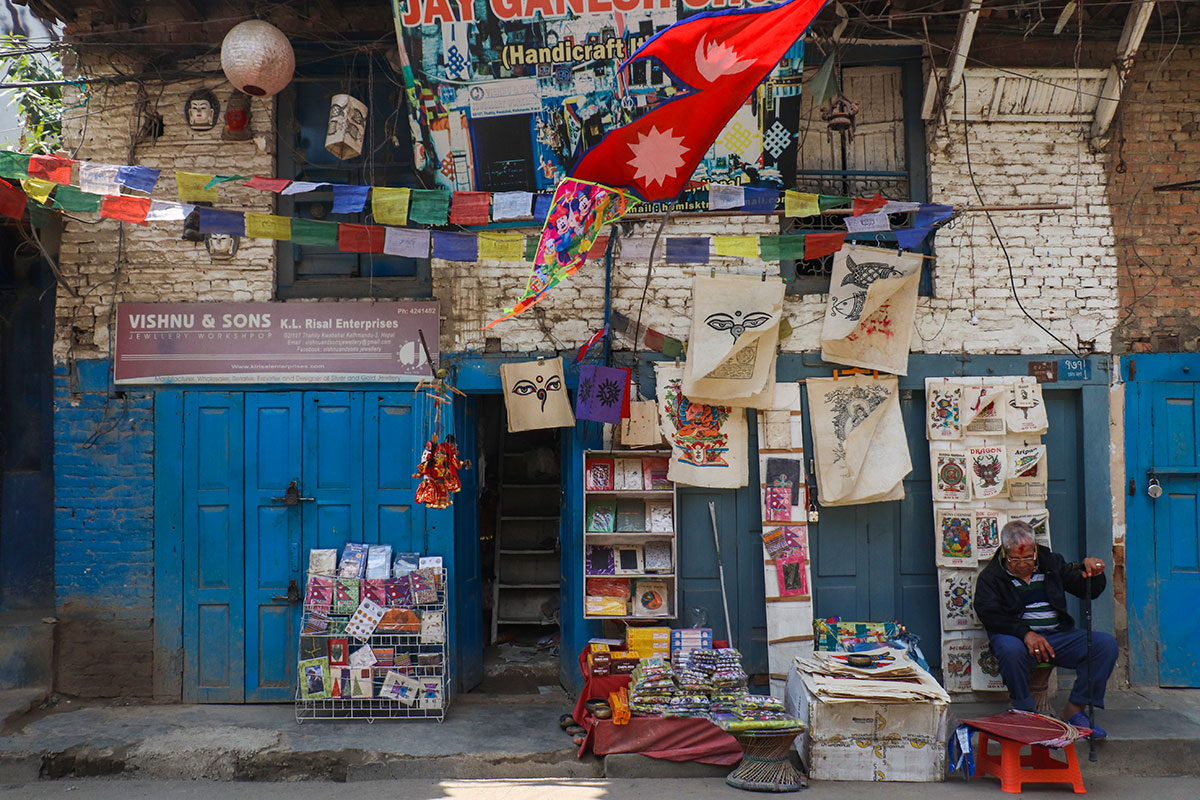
x=293, y=593
x=1154, y=489
x=291, y=496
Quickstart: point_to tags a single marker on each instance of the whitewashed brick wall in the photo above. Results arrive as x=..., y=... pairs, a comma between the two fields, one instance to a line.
x=1063, y=261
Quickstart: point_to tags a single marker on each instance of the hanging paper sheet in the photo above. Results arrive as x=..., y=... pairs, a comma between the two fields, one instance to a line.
x=535, y=395
x=956, y=595
x=1038, y=519
x=987, y=532
x=858, y=432
x=983, y=405
x=641, y=429
x=601, y=394
x=950, y=482
x=943, y=409
x=578, y=213
x=708, y=443
x=732, y=342
x=985, y=667
x=957, y=652
x=1027, y=410
x=988, y=469
x=955, y=531
x=869, y=314
x=1027, y=472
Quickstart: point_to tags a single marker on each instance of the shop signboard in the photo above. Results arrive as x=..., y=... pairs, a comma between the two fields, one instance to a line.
x=161, y=343
x=510, y=92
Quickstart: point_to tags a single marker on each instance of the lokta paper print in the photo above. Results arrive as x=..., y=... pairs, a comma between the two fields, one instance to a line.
x=988, y=467
x=858, y=432
x=535, y=395
x=955, y=532
x=1026, y=408
x=708, y=443
x=950, y=482
x=956, y=596
x=943, y=410
x=987, y=532
x=1039, y=520
x=1027, y=473
x=957, y=651
x=985, y=667
x=869, y=314
x=731, y=346
x=983, y=407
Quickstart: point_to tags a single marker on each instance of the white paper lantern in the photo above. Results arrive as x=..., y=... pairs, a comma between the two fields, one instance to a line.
x=257, y=58
x=347, y=126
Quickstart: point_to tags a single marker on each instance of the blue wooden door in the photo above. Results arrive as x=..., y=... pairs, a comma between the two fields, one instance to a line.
x=333, y=469
x=274, y=558
x=1176, y=533
x=214, y=560
x=468, y=594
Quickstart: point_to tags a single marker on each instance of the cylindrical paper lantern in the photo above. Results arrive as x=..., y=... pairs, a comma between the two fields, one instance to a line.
x=257, y=58
x=347, y=126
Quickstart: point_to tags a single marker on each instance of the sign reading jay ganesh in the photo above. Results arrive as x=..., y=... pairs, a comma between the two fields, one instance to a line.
x=274, y=342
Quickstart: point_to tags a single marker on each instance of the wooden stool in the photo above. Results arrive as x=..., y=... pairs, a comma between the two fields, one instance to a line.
x=1015, y=770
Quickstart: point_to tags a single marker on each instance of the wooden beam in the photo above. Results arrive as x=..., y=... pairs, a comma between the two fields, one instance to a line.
x=1114, y=83
x=937, y=91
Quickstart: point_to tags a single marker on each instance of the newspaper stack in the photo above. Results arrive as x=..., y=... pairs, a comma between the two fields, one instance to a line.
x=891, y=677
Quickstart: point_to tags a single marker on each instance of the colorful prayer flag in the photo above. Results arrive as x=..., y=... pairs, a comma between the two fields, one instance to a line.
x=390, y=206
x=470, y=208
x=760, y=200
x=138, y=178
x=99, y=178
x=166, y=211
x=719, y=57
x=781, y=248
x=911, y=238
x=361, y=238
x=126, y=208
x=267, y=184
x=69, y=198
x=38, y=189
x=314, y=232
x=511, y=205
x=349, y=198
x=828, y=201
x=454, y=246
x=687, y=250
x=817, y=245
x=868, y=205
x=501, y=246
x=430, y=206
x=212, y=220
x=541, y=207
x=12, y=200
x=868, y=223
x=579, y=211
x=192, y=187
x=801, y=204
x=14, y=165
x=406, y=242
x=217, y=180
x=269, y=226
x=300, y=187
x=735, y=246
x=590, y=343
x=51, y=168
x=722, y=197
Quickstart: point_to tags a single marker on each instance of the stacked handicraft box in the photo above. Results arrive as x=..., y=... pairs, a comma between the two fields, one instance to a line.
x=989, y=467
x=373, y=642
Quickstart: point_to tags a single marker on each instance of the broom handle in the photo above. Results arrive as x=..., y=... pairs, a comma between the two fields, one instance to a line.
x=712, y=514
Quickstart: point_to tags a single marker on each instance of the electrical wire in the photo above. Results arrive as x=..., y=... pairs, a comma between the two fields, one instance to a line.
x=999, y=239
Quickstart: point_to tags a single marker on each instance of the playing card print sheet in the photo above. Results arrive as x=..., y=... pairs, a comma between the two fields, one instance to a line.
x=989, y=466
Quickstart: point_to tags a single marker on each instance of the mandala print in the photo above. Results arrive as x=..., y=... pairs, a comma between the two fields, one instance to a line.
x=609, y=393
x=989, y=663
x=851, y=408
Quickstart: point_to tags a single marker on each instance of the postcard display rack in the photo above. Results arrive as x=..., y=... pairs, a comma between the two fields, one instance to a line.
x=375, y=648
x=629, y=564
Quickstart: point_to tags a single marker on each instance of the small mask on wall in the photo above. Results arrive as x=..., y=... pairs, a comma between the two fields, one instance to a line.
x=221, y=246
x=347, y=126
x=201, y=110
x=237, y=118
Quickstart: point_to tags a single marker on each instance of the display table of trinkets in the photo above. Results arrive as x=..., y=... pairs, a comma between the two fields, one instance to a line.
x=373, y=641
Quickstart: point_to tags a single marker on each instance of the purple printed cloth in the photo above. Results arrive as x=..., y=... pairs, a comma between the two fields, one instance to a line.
x=601, y=394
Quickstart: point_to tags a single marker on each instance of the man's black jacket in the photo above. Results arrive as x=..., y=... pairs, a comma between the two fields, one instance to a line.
x=999, y=607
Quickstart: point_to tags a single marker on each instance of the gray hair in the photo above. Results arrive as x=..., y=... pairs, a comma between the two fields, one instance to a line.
x=1015, y=533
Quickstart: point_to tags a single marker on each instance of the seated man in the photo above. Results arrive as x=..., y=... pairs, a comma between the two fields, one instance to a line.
x=1019, y=598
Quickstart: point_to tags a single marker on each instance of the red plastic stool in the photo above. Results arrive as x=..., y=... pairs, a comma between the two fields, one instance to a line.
x=1015, y=770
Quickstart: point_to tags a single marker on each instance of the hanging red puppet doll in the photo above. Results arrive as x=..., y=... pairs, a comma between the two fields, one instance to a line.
x=440, y=463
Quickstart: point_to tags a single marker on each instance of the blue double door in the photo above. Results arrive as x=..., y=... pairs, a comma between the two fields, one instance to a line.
x=350, y=456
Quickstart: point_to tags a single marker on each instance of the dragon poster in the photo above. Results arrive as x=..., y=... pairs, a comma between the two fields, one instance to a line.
x=708, y=442
x=858, y=433
x=869, y=314
x=734, y=334
x=988, y=468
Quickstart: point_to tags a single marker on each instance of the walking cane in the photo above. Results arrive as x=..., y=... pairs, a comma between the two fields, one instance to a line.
x=712, y=514
x=1087, y=618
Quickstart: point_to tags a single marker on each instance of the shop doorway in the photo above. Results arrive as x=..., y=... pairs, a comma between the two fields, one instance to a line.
x=225, y=464
x=521, y=504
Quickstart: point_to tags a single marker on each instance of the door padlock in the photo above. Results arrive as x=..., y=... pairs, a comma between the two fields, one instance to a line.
x=1154, y=489
x=814, y=516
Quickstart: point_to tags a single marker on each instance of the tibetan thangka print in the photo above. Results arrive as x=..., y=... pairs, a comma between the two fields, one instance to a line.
x=1039, y=520
x=535, y=395
x=1026, y=408
x=708, y=443
x=957, y=651
x=985, y=667
x=601, y=393
x=950, y=482
x=1027, y=473
x=869, y=315
x=987, y=532
x=943, y=409
x=983, y=407
x=956, y=596
x=955, y=537
x=988, y=469
x=858, y=433
x=733, y=338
